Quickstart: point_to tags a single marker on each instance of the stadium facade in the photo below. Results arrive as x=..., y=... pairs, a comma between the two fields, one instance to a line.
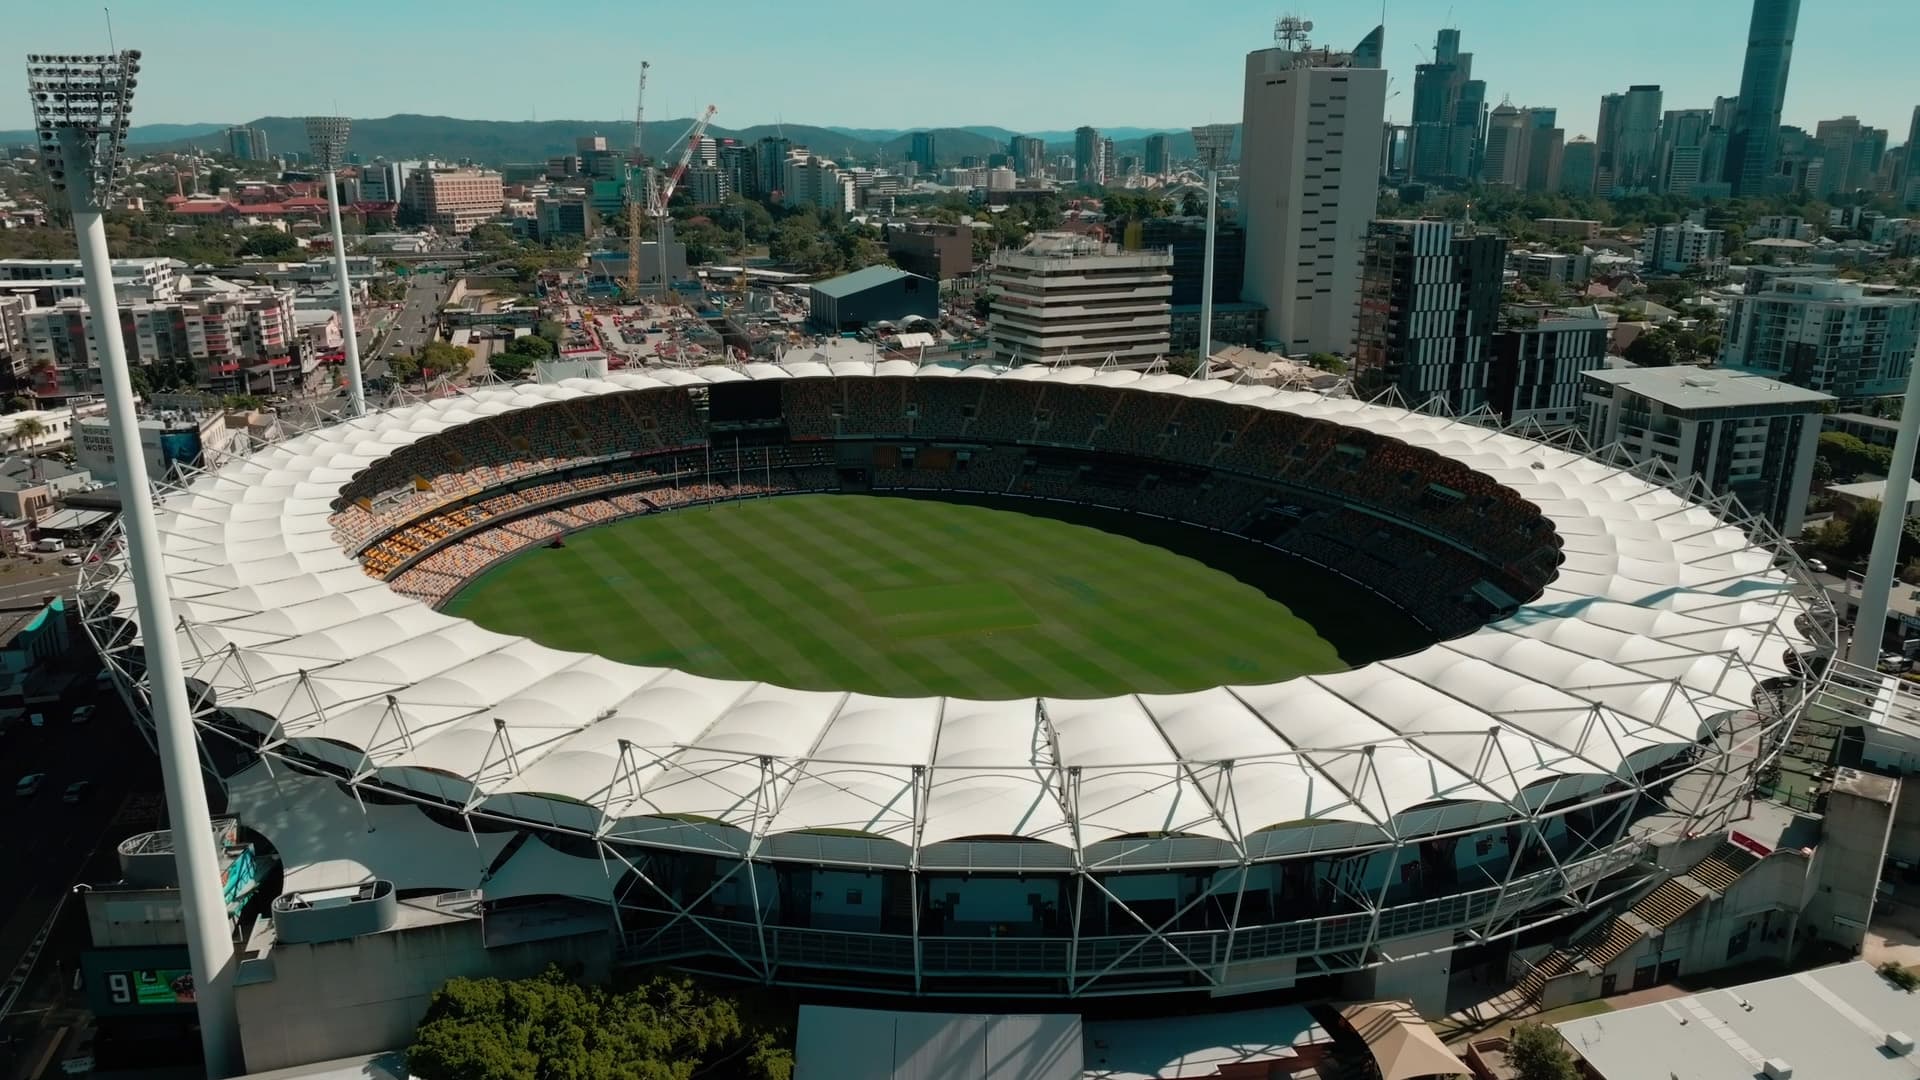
x=1613, y=660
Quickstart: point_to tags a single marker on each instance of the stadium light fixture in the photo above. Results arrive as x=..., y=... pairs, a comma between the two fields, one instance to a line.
x=1210, y=145
x=327, y=136
x=81, y=105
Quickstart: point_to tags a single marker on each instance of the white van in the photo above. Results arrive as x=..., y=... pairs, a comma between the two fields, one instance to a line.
x=46, y=543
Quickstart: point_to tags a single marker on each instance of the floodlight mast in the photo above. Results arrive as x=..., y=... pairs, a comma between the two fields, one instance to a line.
x=80, y=107
x=1210, y=143
x=328, y=138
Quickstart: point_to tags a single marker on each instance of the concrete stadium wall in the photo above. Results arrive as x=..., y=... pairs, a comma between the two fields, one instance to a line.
x=367, y=994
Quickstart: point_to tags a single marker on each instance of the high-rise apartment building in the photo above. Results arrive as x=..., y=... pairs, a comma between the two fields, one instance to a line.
x=811, y=180
x=1628, y=141
x=1538, y=360
x=451, y=200
x=1087, y=149
x=921, y=152
x=1309, y=182
x=1449, y=114
x=1752, y=142
x=1158, y=162
x=1029, y=156
x=1429, y=305
x=770, y=165
x=1069, y=297
x=1824, y=335
x=1683, y=144
x=1109, y=164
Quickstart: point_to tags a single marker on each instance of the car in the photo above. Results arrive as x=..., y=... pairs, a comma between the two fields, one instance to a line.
x=76, y=791
x=83, y=714
x=29, y=784
x=1816, y=566
x=72, y=558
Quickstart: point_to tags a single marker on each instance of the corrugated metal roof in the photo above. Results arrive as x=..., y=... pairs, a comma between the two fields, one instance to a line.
x=862, y=280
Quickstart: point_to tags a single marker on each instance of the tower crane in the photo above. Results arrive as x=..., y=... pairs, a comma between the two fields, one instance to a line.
x=637, y=194
x=660, y=192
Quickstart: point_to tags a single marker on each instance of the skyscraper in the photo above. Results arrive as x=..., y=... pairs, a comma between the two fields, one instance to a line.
x=922, y=153
x=1505, y=163
x=1910, y=176
x=1029, y=155
x=1309, y=177
x=1849, y=153
x=1449, y=113
x=1158, y=161
x=1629, y=138
x=1578, y=160
x=1086, y=155
x=1109, y=164
x=1752, y=141
x=1683, y=141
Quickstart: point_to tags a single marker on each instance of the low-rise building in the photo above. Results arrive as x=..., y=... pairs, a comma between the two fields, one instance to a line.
x=30, y=487
x=1742, y=434
x=932, y=249
x=874, y=295
x=234, y=337
x=1068, y=297
x=1571, y=228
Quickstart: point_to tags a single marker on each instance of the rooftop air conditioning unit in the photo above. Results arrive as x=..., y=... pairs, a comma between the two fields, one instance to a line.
x=1775, y=1069
x=1899, y=1043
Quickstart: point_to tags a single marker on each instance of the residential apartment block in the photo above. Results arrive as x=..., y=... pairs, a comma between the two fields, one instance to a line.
x=451, y=200
x=1743, y=434
x=1825, y=335
x=1429, y=305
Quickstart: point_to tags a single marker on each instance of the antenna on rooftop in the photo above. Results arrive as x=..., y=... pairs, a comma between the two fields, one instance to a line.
x=1290, y=32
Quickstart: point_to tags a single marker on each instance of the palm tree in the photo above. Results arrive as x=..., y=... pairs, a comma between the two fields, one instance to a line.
x=25, y=430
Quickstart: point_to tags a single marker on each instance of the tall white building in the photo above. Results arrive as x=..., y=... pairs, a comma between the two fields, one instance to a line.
x=816, y=181
x=1742, y=433
x=1309, y=183
x=1067, y=297
x=1824, y=335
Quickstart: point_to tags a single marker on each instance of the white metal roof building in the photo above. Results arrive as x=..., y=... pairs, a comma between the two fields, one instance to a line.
x=1663, y=620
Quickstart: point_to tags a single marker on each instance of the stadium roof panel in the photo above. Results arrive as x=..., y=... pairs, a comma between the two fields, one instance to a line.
x=1661, y=617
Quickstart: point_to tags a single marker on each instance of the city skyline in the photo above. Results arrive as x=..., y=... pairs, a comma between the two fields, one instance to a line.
x=754, y=71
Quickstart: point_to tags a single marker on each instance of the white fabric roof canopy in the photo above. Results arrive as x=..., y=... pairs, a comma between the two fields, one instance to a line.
x=1660, y=618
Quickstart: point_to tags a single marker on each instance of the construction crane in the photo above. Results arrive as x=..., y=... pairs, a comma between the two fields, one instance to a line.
x=661, y=188
x=637, y=193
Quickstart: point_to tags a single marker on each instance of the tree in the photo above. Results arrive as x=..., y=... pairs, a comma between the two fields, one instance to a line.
x=489, y=237
x=240, y=402
x=548, y=1026
x=20, y=403
x=1327, y=361
x=1537, y=1052
x=402, y=367
x=440, y=358
x=553, y=332
x=512, y=365
x=26, y=430
x=1193, y=204
x=532, y=346
x=267, y=243
x=1653, y=348
x=1848, y=456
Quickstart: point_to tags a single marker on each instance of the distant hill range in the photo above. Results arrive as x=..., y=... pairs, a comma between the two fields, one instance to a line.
x=499, y=142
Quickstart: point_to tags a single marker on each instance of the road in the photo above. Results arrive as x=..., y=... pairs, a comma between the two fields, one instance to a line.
x=414, y=326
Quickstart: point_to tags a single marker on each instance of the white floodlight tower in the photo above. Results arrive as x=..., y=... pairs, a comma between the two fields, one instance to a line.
x=80, y=109
x=328, y=137
x=1870, y=622
x=1210, y=145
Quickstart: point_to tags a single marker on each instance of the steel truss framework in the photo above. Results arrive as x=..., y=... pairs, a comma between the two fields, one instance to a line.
x=1586, y=866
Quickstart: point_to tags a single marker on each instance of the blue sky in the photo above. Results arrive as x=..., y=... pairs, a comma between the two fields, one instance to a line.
x=1021, y=64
